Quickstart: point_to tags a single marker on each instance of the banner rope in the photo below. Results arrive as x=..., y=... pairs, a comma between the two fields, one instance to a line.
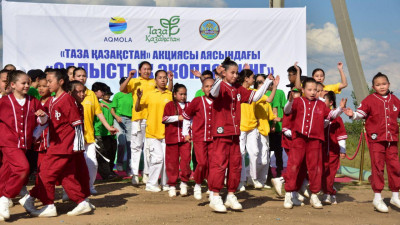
x=359, y=144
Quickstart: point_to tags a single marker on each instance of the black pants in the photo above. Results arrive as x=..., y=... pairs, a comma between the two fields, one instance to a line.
x=107, y=146
x=275, y=143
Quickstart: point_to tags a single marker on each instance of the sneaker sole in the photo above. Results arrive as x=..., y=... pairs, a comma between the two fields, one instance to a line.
x=276, y=189
x=316, y=207
x=217, y=211
x=392, y=203
x=85, y=212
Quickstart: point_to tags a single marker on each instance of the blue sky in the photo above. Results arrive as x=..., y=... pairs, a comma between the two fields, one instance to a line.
x=375, y=25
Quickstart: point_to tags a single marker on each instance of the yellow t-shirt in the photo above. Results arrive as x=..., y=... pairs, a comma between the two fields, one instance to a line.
x=155, y=102
x=332, y=87
x=248, y=120
x=91, y=107
x=263, y=112
x=145, y=85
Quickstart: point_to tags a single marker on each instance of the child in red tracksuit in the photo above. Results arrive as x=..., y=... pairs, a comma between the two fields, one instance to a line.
x=228, y=94
x=19, y=115
x=59, y=164
x=333, y=147
x=309, y=114
x=200, y=110
x=381, y=111
x=176, y=145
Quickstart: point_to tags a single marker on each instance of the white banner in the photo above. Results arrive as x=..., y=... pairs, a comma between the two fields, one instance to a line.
x=109, y=41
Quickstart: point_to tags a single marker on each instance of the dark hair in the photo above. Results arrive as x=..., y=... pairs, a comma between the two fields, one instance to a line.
x=319, y=83
x=228, y=62
x=208, y=78
x=5, y=71
x=207, y=72
x=122, y=80
x=10, y=65
x=145, y=62
x=42, y=76
x=259, y=75
x=246, y=73
x=308, y=80
x=13, y=76
x=316, y=70
x=34, y=74
x=79, y=68
x=61, y=75
x=159, y=71
x=99, y=86
x=331, y=97
x=379, y=74
x=176, y=88
x=47, y=69
x=69, y=67
x=72, y=85
x=293, y=70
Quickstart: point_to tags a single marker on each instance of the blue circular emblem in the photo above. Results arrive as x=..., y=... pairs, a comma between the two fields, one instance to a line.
x=209, y=29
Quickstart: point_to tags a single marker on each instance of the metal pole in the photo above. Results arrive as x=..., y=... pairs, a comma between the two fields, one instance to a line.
x=360, y=178
x=350, y=49
x=277, y=3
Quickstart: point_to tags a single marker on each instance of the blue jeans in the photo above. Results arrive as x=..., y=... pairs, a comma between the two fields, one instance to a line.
x=123, y=138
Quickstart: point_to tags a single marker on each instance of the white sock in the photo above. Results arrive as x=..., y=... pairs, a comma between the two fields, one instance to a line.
x=378, y=196
x=395, y=195
x=197, y=186
x=83, y=202
x=183, y=184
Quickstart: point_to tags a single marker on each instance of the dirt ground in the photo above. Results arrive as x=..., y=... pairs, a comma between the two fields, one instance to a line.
x=122, y=203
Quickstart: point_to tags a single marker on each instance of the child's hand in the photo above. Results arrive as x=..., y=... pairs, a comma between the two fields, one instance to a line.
x=246, y=66
x=139, y=93
x=113, y=130
x=131, y=73
x=180, y=118
x=220, y=69
x=342, y=155
x=188, y=138
x=270, y=76
x=340, y=65
x=104, y=105
x=295, y=66
x=343, y=103
x=349, y=112
x=118, y=119
x=40, y=113
x=170, y=75
x=276, y=81
x=196, y=73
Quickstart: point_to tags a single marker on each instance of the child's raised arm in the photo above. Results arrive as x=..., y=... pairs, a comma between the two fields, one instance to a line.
x=343, y=78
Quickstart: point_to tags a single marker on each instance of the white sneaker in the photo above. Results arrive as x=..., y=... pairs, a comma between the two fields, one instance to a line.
x=183, y=187
x=172, y=192
x=288, y=204
x=208, y=191
x=277, y=184
x=197, y=192
x=380, y=206
x=10, y=203
x=81, y=208
x=241, y=187
x=165, y=188
x=28, y=202
x=46, y=211
x=4, y=209
x=295, y=199
x=152, y=188
x=145, y=178
x=1, y=218
x=217, y=205
x=395, y=202
x=326, y=199
x=257, y=184
x=333, y=200
x=304, y=189
x=93, y=191
x=315, y=202
x=232, y=202
x=300, y=197
x=65, y=197
x=267, y=186
x=135, y=180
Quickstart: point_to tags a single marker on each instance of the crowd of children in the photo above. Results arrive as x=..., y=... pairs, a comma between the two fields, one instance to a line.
x=64, y=133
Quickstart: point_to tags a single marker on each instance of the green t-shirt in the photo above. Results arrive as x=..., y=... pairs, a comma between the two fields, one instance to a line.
x=279, y=102
x=34, y=93
x=123, y=103
x=199, y=93
x=99, y=129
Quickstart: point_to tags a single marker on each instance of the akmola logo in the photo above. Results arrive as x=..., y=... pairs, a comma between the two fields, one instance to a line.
x=118, y=25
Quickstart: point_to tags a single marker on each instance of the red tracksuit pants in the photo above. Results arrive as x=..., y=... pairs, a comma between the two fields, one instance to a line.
x=225, y=154
x=310, y=150
x=172, y=163
x=56, y=168
x=13, y=172
x=331, y=162
x=302, y=172
x=201, y=149
x=381, y=153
